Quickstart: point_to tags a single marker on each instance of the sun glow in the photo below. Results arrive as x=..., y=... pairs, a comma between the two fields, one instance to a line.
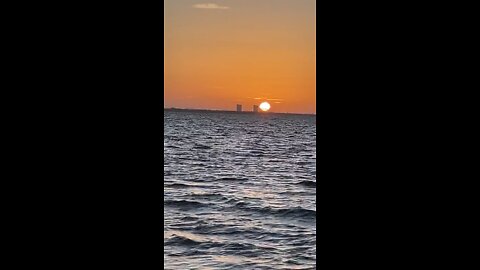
x=265, y=106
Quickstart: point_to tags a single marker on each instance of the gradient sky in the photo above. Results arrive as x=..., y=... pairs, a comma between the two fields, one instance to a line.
x=219, y=53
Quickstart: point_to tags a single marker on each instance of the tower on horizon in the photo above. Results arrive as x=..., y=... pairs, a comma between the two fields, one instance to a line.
x=255, y=108
x=239, y=107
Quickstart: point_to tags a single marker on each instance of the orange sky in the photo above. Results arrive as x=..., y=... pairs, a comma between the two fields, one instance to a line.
x=240, y=52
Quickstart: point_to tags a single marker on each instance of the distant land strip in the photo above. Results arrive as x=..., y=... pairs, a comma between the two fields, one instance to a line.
x=225, y=111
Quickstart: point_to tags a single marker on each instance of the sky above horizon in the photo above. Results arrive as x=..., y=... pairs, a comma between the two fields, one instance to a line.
x=219, y=53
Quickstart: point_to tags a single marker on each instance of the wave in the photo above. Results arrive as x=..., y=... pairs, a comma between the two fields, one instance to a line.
x=177, y=185
x=184, y=204
x=201, y=146
x=232, y=179
x=180, y=241
x=296, y=212
x=307, y=183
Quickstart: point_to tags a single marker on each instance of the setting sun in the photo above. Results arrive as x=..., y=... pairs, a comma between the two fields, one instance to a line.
x=265, y=106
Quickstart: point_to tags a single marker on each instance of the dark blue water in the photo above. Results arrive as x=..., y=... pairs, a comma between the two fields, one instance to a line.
x=239, y=191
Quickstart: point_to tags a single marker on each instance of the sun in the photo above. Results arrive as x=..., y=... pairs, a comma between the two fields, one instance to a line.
x=265, y=106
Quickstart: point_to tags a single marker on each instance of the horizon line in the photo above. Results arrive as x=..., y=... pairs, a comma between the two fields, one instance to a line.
x=223, y=110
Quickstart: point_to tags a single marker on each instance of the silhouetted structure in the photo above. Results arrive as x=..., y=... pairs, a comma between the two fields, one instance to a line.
x=255, y=108
x=239, y=107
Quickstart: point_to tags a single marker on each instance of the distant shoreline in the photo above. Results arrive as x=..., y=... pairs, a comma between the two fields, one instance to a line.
x=243, y=112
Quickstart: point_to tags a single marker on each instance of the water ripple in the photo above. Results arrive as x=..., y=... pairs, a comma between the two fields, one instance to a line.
x=239, y=191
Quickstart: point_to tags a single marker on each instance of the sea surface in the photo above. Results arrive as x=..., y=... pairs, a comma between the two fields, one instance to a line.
x=239, y=190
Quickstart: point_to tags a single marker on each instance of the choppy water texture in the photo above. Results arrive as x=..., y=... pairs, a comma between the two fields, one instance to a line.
x=239, y=191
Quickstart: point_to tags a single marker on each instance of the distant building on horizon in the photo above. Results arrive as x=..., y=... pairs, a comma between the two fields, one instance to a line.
x=255, y=108
x=239, y=107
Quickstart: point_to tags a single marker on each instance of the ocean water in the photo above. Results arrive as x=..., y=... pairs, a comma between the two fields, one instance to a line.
x=239, y=191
